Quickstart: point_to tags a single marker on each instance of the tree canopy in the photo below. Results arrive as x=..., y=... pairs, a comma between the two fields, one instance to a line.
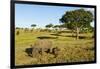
x=33, y=25
x=77, y=19
x=49, y=26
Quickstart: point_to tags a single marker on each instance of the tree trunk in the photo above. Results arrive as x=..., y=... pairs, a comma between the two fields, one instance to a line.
x=77, y=33
x=72, y=33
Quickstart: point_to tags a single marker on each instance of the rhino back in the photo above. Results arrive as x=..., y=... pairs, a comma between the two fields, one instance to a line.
x=43, y=43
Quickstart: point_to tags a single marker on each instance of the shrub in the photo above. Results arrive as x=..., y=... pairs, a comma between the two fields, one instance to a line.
x=17, y=33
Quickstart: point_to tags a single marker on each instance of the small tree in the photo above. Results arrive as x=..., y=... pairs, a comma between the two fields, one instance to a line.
x=77, y=20
x=17, y=27
x=17, y=33
x=33, y=26
x=26, y=29
x=49, y=26
x=56, y=27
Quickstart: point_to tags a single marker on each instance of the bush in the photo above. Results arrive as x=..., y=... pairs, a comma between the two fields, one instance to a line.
x=17, y=33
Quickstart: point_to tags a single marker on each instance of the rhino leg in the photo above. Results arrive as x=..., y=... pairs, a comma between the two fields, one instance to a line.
x=47, y=50
x=35, y=52
x=40, y=51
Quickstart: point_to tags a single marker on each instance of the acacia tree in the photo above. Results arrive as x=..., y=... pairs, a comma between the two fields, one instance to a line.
x=49, y=26
x=56, y=27
x=33, y=26
x=77, y=20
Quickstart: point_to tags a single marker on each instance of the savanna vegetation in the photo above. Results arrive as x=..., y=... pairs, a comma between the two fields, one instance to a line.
x=71, y=41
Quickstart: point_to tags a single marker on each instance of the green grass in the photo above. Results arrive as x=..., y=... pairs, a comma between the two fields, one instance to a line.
x=71, y=50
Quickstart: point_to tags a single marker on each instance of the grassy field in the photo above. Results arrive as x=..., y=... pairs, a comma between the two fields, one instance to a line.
x=71, y=50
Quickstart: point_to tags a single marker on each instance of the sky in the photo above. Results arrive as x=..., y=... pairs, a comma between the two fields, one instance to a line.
x=41, y=15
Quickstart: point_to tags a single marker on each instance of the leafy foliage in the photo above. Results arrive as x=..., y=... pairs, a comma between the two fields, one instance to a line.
x=33, y=25
x=49, y=26
x=77, y=19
